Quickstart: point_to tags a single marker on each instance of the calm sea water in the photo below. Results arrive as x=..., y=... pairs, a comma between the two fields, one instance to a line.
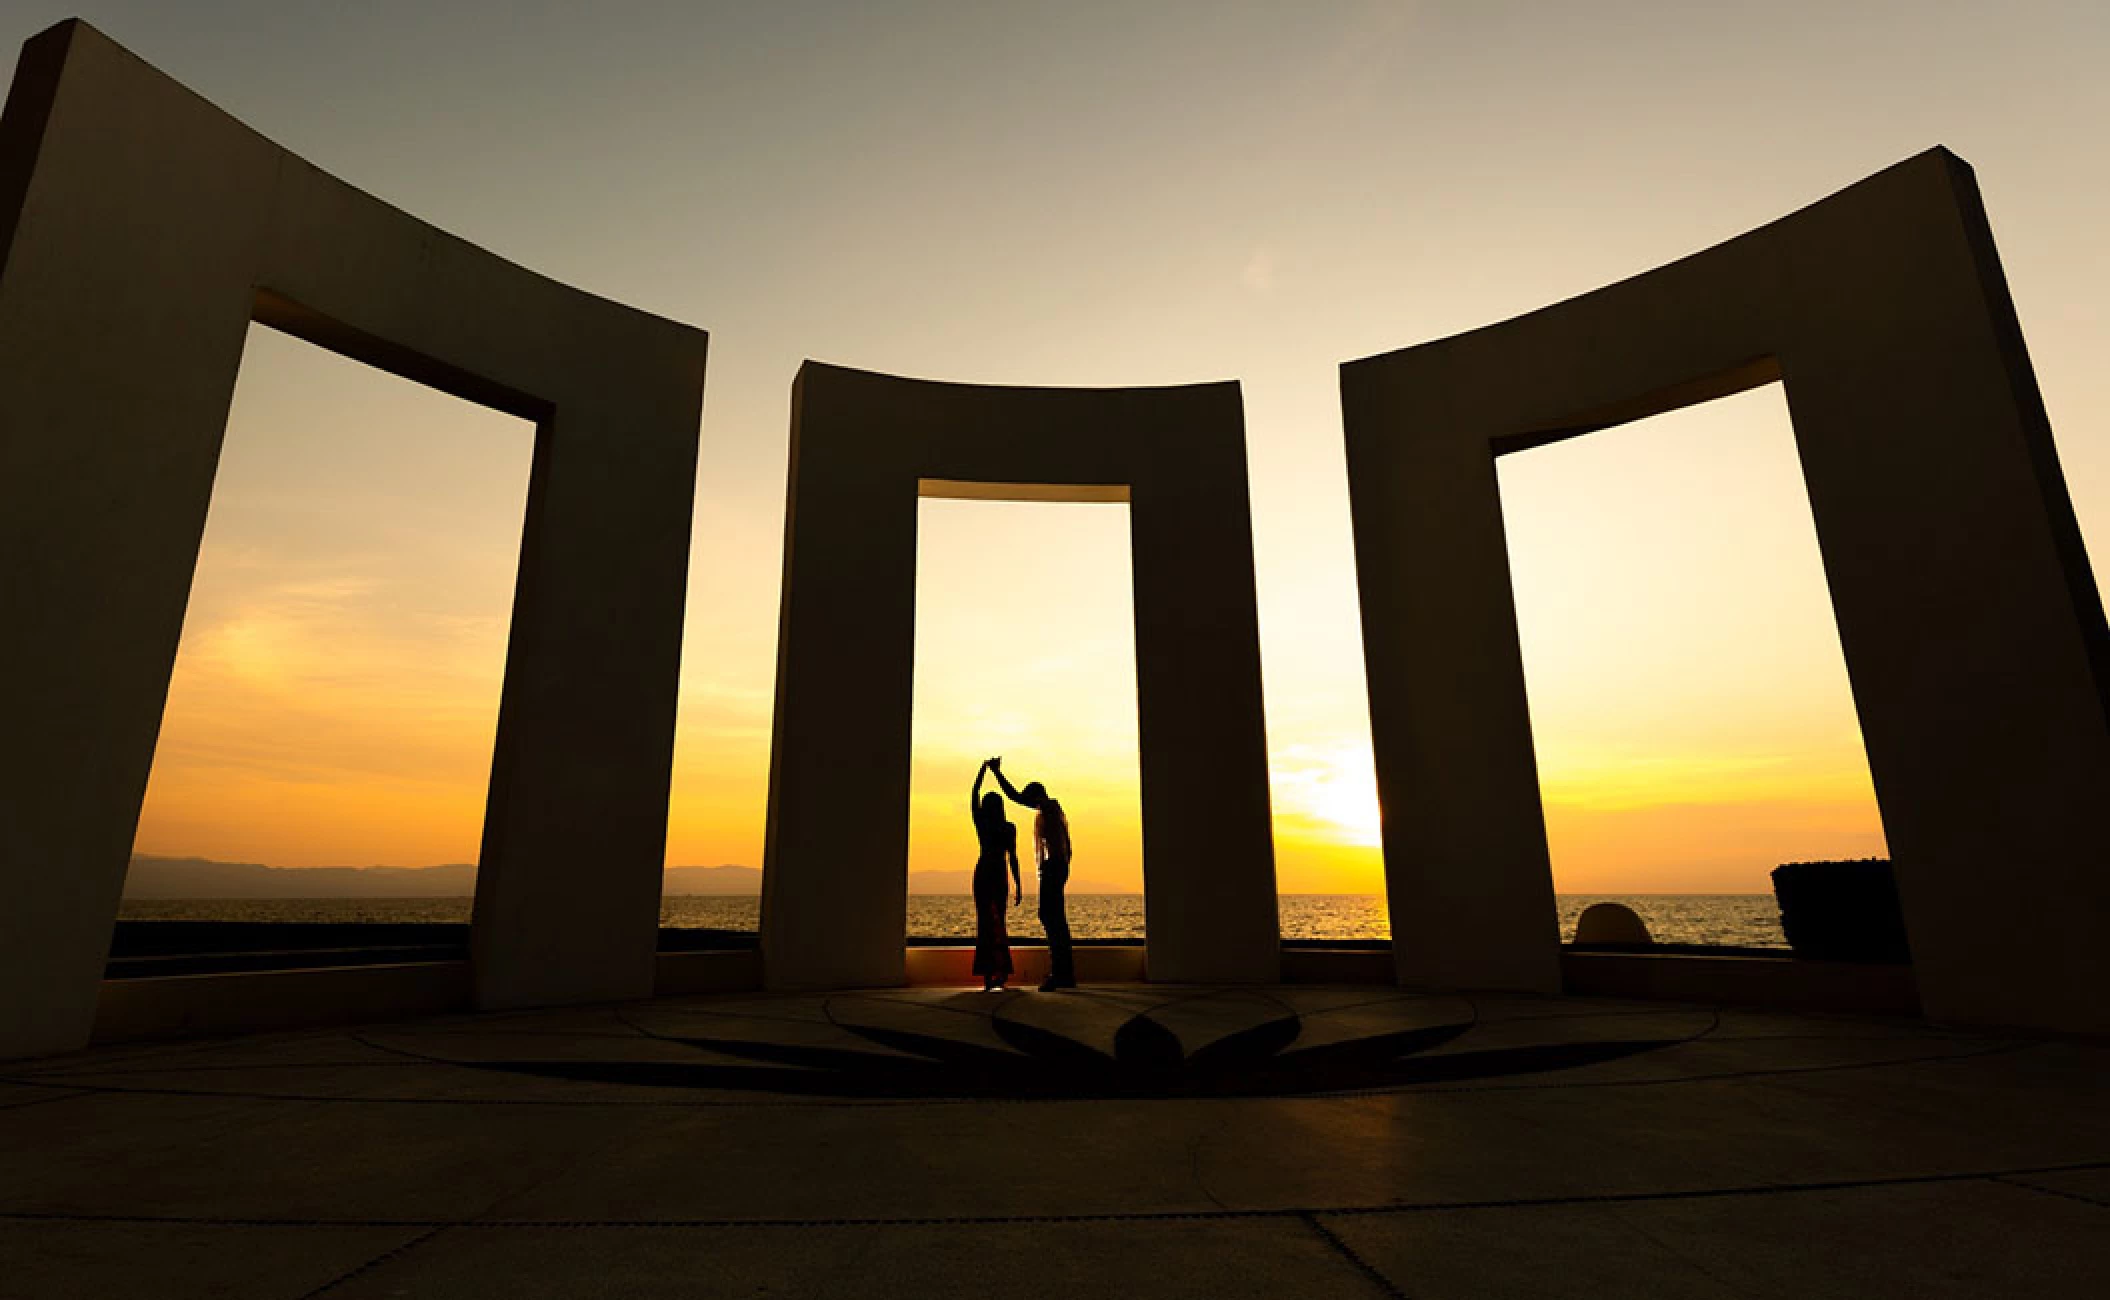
x=1740, y=920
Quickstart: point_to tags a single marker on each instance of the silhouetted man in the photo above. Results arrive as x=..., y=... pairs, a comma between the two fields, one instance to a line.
x=1051, y=848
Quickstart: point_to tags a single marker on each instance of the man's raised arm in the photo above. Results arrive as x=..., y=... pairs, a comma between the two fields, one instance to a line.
x=996, y=768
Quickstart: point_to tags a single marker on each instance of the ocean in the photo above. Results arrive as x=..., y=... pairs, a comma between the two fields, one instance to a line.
x=1732, y=920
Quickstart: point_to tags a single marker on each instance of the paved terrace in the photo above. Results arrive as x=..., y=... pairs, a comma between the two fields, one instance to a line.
x=1135, y=1140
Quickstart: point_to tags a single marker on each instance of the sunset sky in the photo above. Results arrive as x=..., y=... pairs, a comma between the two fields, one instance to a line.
x=1094, y=194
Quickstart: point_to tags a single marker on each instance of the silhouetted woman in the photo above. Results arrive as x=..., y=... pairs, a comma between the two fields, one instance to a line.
x=999, y=847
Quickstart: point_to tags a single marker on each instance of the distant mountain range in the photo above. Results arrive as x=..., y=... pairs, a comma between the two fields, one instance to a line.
x=159, y=878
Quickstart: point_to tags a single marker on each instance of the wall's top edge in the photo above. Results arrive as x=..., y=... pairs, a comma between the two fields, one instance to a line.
x=829, y=372
x=1938, y=156
x=82, y=40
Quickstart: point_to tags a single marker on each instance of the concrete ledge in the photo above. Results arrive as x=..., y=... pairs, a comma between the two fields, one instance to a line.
x=1097, y=964
x=1339, y=966
x=182, y=1005
x=253, y=1001
x=735, y=971
x=1124, y=963
x=1782, y=982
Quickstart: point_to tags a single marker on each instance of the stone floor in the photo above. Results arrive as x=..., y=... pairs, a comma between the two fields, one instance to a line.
x=1140, y=1140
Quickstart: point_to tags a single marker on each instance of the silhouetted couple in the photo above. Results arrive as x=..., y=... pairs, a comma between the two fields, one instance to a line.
x=999, y=850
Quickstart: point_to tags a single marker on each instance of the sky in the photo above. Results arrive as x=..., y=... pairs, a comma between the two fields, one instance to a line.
x=1094, y=194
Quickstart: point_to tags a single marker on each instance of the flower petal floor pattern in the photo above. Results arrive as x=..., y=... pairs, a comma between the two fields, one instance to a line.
x=1098, y=1043
x=1159, y=1141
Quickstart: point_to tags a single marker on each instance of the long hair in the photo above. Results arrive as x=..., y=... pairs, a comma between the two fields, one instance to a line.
x=991, y=813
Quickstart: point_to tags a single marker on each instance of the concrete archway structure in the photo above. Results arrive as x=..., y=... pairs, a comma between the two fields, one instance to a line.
x=1970, y=622
x=143, y=230
x=864, y=448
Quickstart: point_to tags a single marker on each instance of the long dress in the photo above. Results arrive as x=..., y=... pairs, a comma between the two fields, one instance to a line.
x=992, y=945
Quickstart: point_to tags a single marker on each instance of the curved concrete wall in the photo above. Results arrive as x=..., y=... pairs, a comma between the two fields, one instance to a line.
x=143, y=230
x=1969, y=619
x=863, y=448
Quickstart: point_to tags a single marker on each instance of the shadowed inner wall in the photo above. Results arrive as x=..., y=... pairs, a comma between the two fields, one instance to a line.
x=1025, y=647
x=335, y=694
x=1690, y=708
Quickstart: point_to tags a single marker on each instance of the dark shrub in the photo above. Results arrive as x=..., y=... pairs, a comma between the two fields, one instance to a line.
x=1841, y=911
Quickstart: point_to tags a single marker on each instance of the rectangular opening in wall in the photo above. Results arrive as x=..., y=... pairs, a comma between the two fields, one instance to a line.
x=1025, y=648
x=1689, y=701
x=325, y=752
